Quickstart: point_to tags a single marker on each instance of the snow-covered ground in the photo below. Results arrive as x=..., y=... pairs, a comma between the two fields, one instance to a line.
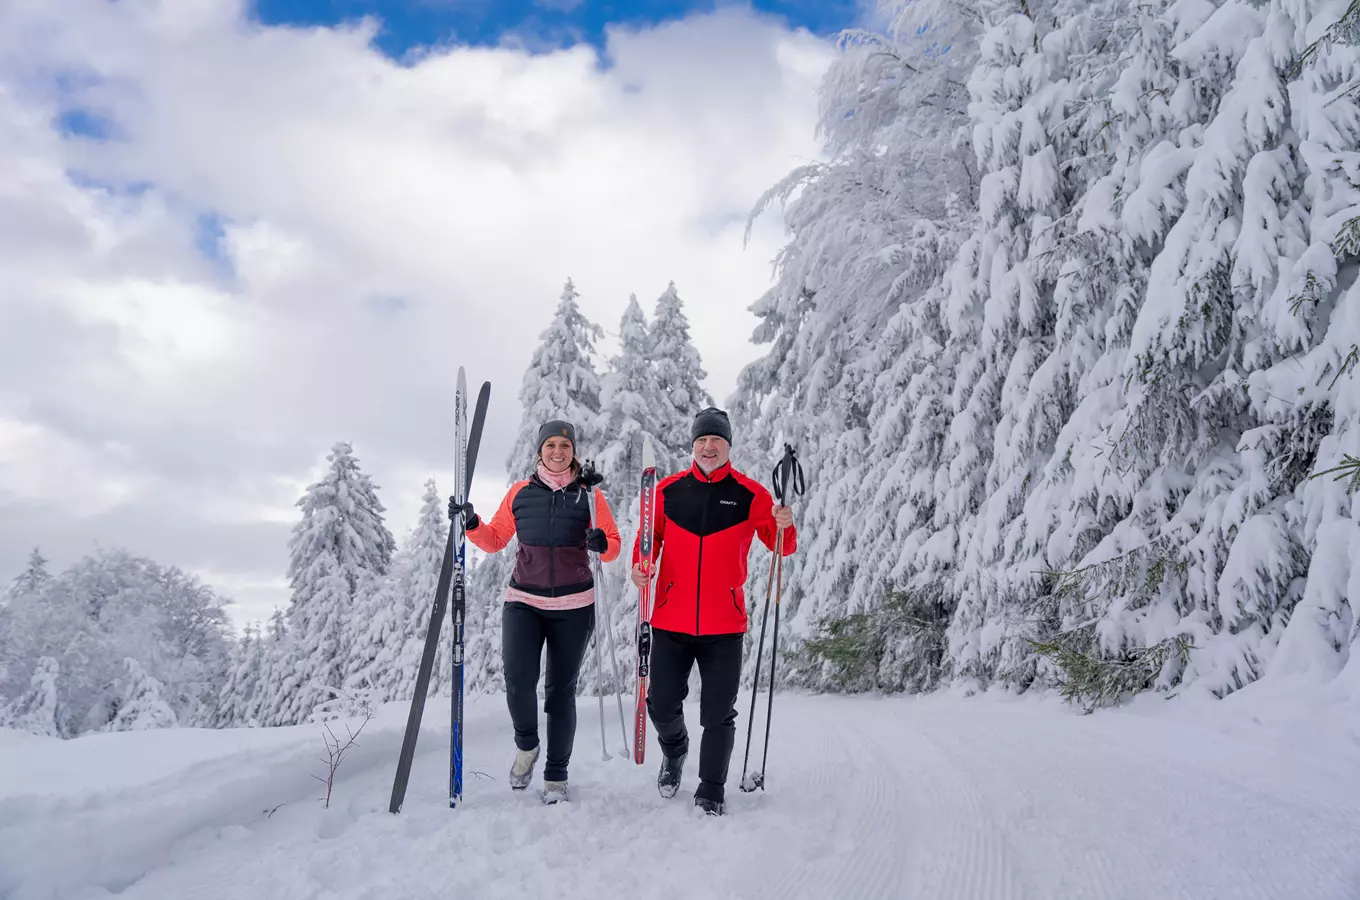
x=937, y=798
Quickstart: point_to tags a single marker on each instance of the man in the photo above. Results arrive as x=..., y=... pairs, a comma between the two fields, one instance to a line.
x=706, y=516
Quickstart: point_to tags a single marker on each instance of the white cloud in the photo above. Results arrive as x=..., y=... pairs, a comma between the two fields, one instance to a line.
x=383, y=224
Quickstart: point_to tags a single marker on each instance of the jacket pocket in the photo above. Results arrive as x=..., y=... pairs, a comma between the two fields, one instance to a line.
x=735, y=604
x=665, y=596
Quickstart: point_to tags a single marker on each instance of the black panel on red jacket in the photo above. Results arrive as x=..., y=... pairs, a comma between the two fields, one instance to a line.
x=704, y=507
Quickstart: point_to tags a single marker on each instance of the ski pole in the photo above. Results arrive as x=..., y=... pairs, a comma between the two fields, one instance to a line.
x=788, y=468
x=602, y=611
x=755, y=679
x=774, y=661
x=612, y=651
x=599, y=664
x=599, y=678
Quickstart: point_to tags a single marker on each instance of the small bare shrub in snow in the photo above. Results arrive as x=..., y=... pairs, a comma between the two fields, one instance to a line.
x=347, y=705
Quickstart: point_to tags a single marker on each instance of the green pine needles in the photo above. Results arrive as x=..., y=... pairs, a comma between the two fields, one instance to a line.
x=899, y=645
x=1094, y=681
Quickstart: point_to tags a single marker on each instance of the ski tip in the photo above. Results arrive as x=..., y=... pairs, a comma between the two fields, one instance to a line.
x=648, y=454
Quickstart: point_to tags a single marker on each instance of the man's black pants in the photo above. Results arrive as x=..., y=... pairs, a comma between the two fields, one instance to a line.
x=719, y=659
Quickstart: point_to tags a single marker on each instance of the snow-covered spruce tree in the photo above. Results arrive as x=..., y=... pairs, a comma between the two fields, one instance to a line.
x=33, y=578
x=633, y=405
x=1303, y=354
x=1064, y=311
x=1076, y=511
x=243, y=684
x=374, y=633
x=389, y=648
x=872, y=229
x=678, y=373
x=37, y=710
x=561, y=382
x=1215, y=315
x=273, y=648
x=139, y=701
x=1001, y=318
x=28, y=584
x=339, y=549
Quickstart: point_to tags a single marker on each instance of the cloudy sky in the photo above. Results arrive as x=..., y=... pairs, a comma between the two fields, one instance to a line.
x=232, y=233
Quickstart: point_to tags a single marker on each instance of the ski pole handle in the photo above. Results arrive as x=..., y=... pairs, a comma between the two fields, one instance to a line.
x=788, y=468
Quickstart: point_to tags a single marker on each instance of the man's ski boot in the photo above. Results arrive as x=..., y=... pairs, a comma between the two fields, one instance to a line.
x=522, y=772
x=710, y=807
x=668, y=779
x=555, y=792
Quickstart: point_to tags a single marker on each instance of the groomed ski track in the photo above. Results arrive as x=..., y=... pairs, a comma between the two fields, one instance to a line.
x=934, y=798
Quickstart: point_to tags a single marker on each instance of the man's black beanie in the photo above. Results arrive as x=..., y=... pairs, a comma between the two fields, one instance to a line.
x=711, y=421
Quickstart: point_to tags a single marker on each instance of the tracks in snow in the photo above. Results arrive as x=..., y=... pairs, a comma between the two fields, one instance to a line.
x=868, y=798
x=901, y=820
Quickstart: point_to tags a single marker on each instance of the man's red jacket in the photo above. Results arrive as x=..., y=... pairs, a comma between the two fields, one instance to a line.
x=704, y=525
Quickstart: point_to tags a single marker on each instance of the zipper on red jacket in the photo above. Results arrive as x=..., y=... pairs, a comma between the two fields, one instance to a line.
x=699, y=579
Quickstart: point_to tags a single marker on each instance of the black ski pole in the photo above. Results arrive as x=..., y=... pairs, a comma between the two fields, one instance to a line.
x=787, y=469
x=752, y=784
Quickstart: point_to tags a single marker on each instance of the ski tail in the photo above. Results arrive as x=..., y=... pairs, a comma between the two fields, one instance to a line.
x=646, y=534
x=456, y=692
x=408, y=742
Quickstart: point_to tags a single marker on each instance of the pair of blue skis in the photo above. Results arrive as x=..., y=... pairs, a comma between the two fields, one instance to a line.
x=451, y=574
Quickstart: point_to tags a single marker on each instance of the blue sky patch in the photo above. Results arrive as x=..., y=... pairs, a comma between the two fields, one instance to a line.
x=407, y=25
x=77, y=122
x=120, y=189
x=387, y=306
x=210, y=229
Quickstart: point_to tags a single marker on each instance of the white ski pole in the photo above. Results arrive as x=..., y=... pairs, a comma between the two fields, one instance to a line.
x=602, y=611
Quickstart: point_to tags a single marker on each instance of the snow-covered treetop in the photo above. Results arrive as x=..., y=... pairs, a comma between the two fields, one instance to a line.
x=678, y=372
x=560, y=381
x=341, y=520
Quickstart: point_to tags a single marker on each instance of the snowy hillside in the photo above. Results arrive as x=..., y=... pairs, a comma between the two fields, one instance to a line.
x=986, y=799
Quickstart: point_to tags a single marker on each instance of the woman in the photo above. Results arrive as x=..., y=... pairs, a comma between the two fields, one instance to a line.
x=551, y=597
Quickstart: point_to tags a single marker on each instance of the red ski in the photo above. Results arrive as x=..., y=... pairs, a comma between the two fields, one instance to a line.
x=646, y=532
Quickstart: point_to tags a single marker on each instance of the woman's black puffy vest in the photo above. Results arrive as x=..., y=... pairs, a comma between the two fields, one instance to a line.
x=551, y=560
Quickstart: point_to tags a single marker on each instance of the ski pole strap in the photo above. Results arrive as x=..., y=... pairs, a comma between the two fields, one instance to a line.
x=788, y=468
x=590, y=476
